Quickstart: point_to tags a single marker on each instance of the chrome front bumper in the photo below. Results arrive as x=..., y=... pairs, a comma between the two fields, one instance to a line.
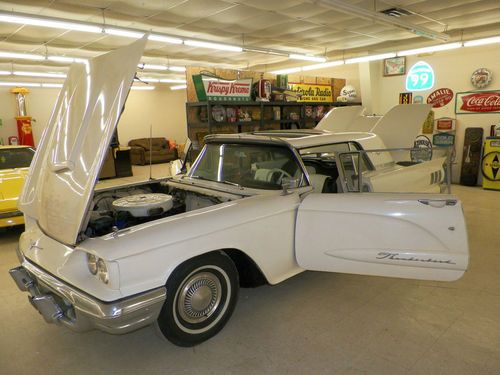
x=61, y=303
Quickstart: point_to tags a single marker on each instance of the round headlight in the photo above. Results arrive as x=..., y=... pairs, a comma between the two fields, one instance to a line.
x=102, y=271
x=92, y=263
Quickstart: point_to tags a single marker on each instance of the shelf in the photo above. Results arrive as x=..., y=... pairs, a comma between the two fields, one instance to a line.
x=270, y=104
x=194, y=125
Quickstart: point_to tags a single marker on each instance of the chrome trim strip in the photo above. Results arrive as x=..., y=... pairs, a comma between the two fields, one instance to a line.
x=6, y=215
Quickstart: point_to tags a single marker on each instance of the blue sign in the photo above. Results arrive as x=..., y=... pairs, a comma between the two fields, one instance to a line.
x=420, y=77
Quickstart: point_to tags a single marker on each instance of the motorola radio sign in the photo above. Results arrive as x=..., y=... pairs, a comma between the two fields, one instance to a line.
x=420, y=77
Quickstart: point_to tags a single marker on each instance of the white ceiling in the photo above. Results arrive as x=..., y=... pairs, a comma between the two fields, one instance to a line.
x=289, y=25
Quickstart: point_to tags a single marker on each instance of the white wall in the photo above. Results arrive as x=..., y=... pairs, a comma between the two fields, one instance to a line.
x=161, y=108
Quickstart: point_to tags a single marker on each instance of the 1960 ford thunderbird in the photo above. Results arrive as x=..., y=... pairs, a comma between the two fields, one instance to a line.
x=253, y=209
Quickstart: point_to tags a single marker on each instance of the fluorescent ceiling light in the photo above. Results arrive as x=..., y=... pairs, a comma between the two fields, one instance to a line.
x=322, y=66
x=25, y=56
x=370, y=58
x=177, y=68
x=439, y=47
x=296, y=56
x=345, y=7
x=287, y=71
x=170, y=80
x=20, y=84
x=143, y=88
x=178, y=87
x=5, y=73
x=222, y=47
x=482, y=42
x=47, y=22
x=67, y=59
x=148, y=79
x=39, y=74
x=164, y=39
x=123, y=32
x=52, y=85
x=152, y=66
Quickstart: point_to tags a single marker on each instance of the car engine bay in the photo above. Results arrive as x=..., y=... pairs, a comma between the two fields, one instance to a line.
x=127, y=206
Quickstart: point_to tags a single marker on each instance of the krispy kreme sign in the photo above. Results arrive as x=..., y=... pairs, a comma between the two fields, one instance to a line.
x=478, y=101
x=440, y=98
x=218, y=89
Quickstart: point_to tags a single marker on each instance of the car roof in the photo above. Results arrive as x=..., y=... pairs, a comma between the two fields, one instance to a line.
x=296, y=138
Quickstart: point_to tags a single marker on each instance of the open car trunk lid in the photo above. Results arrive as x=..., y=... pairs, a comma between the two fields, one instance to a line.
x=63, y=174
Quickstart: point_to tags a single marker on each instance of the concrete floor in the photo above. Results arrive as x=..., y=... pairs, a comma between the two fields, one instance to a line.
x=314, y=323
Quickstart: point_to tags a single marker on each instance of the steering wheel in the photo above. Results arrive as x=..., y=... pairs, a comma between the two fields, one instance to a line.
x=278, y=174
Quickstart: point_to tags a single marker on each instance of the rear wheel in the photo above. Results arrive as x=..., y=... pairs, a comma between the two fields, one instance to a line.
x=201, y=296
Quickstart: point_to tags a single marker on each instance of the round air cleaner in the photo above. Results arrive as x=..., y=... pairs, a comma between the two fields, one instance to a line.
x=144, y=205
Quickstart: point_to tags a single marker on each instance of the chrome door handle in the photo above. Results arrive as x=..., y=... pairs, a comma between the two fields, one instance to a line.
x=438, y=202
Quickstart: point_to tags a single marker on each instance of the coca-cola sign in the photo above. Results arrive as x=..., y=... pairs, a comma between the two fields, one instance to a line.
x=440, y=97
x=477, y=102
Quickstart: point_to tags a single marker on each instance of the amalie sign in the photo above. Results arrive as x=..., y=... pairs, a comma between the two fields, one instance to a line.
x=218, y=89
x=477, y=102
x=312, y=93
x=440, y=98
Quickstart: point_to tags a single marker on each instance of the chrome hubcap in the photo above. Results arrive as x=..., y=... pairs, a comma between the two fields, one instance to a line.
x=199, y=297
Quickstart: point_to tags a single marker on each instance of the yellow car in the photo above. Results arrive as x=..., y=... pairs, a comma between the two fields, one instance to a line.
x=14, y=165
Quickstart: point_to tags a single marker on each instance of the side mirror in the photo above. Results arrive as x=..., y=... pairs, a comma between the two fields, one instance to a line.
x=175, y=167
x=289, y=183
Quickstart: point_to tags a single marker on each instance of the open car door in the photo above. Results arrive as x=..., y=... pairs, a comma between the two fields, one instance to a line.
x=417, y=236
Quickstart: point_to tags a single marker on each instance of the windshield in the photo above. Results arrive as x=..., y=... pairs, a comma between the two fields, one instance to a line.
x=251, y=166
x=16, y=157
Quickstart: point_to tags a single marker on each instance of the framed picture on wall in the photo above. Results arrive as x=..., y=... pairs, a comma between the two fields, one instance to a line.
x=395, y=66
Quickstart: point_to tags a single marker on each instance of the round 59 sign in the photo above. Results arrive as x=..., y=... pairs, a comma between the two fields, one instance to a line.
x=420, y=77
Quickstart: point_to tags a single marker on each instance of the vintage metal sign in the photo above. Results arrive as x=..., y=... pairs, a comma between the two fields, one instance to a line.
x=440, y=97
x=312, y=93
x=219, y=89
x=445, y=124
x=420, y=77
x=405, y=97
x=477, y=102
x=443, y=139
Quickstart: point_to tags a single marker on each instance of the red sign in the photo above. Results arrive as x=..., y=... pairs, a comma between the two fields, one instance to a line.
x=445, y=124
x=479, y=102
x=25, y=131
x=440, y=98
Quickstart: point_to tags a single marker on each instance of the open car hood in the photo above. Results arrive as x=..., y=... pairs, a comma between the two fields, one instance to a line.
x=62, y=176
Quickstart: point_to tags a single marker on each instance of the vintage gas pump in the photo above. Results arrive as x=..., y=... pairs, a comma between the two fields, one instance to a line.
x=24, y=128
x=490, y=165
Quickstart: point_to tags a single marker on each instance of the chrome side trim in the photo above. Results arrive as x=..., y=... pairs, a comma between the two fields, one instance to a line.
x=6, y=215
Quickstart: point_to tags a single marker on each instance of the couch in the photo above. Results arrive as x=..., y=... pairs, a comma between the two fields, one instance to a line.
x=156, y=149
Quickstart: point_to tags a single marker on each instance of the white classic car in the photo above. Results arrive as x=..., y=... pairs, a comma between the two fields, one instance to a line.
x=253, y=209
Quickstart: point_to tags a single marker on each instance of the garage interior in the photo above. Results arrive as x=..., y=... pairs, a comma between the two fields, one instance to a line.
x=314, y=322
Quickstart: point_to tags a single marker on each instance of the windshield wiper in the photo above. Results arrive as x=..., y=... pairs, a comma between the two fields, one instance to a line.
x=223, y=182
x=231, y=183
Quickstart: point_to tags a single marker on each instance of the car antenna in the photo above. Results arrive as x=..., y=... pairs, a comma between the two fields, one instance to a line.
x=150, y=152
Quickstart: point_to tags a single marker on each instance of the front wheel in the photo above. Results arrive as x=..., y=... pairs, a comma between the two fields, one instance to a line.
x=201, y=296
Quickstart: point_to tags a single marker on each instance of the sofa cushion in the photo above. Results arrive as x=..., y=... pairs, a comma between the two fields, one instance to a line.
x=156, y=143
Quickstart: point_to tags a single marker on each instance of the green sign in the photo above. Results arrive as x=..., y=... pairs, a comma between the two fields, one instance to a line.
x=420, y=77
